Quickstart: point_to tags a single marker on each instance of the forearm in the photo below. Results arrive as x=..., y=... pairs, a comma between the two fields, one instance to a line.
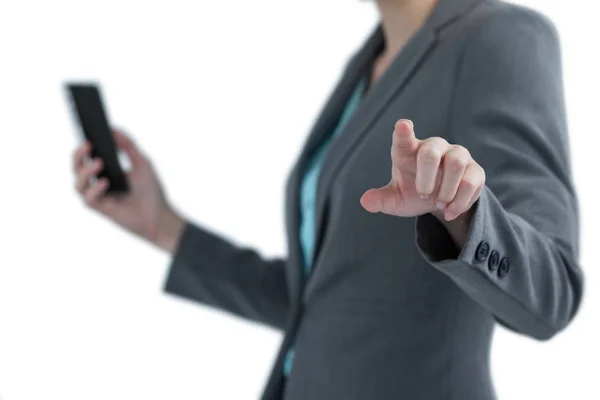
x=517, y=254
x=212, y=270
x=533, y=284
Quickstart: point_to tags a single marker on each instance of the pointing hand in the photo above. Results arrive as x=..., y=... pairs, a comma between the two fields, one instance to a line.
x=428, y=176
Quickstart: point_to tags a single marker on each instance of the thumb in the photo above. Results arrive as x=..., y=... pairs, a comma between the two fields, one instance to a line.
x=128, y=146
x=385, y=199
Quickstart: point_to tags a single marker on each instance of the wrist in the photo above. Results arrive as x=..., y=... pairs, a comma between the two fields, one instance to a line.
x=169, y=228
x=458, y=227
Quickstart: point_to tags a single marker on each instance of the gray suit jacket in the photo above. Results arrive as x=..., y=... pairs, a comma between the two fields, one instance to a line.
x=392, y=309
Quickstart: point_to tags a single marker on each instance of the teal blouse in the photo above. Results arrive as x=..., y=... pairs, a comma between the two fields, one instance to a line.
x=308, y=193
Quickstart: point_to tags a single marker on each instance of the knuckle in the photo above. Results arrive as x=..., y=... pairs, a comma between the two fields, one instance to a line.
x=430, y=153
x=399, y=142
x=463, y=151
x=437, y=142
x=397, y=158
x=469, y=183
x=457, y=163
x=436, y=139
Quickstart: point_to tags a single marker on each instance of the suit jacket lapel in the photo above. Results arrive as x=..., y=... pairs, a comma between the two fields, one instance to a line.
x=322, y=127
x=375, y=101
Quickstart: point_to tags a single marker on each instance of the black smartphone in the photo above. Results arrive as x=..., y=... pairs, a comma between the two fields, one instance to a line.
x=89, y=110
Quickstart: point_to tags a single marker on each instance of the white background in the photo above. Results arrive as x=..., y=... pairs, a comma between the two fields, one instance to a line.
x=220, y=94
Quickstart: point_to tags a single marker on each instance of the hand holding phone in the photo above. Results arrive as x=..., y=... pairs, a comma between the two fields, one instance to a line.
x=90, y=113
x=143, y=209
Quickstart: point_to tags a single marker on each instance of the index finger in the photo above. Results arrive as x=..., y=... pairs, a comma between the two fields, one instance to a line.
x=404, y=142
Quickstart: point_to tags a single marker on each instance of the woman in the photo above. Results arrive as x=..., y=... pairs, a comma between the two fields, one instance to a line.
x=392, y=287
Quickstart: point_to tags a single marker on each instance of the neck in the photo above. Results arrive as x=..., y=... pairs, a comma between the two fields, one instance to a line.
x=401, y=19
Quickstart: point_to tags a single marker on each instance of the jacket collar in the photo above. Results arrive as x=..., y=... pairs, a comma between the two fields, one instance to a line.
x=447, y=11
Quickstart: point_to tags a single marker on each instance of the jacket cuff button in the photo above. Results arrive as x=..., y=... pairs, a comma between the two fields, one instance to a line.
x=494, y=260
x=503, y=268
x=483, y=250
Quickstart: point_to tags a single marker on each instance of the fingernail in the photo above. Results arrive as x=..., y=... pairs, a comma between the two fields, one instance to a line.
x=449, y=216
x=425, y=196
x=440, y=205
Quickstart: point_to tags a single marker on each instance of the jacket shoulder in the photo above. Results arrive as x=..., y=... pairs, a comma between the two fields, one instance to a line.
x=512, y=20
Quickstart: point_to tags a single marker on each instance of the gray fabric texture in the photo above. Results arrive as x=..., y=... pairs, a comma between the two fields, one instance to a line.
x=392, y=309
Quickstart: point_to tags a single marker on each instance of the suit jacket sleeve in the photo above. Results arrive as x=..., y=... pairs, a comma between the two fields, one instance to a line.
x=508, y=112
x=211, y=270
